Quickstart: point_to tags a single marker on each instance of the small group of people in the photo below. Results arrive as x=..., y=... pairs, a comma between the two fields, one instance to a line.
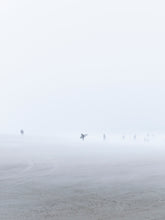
x=84, y=135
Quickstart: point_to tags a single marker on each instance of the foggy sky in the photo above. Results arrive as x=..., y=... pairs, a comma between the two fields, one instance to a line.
x=71, y=66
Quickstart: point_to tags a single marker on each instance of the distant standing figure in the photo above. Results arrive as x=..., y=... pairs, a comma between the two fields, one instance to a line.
x=22, y=132
x=83, y=136
x=104, y=137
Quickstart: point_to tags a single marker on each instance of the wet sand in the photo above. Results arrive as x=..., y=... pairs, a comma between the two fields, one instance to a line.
x=75, y=181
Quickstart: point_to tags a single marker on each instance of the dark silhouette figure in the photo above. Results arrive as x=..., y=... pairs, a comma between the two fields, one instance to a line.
x=22, y=132
x=83, y=136
x=104, y=137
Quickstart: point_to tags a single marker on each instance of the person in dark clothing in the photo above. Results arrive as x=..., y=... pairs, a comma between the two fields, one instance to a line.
x=22, y=132
x=83, y=136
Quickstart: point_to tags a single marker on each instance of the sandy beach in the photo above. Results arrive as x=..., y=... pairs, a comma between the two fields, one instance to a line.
x=60, y=180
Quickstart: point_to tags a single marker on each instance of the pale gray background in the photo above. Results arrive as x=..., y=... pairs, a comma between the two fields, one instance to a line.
x=72, y=66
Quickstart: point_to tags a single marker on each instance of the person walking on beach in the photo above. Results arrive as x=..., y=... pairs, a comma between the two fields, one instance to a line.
x=22, y=132
x=83, y=136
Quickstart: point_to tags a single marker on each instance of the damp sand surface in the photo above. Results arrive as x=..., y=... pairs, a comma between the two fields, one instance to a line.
x=67, y=180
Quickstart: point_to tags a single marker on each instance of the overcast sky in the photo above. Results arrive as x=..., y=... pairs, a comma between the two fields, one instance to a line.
x=72, y=66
